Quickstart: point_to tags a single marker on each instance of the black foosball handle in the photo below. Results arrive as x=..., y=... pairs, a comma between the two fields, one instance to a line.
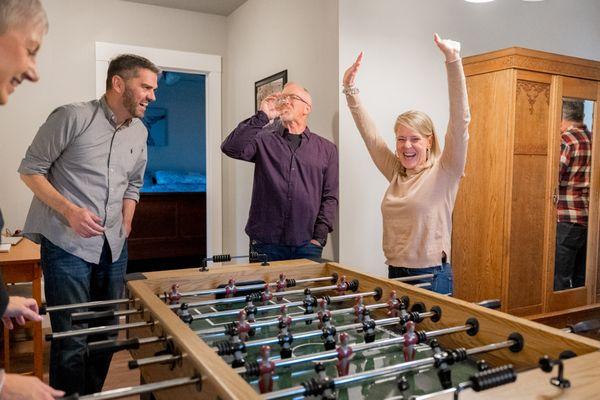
x=493, y=377
x=493, y=304
x=74, y=396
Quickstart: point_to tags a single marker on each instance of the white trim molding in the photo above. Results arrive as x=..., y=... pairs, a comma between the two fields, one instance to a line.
x=181, y=61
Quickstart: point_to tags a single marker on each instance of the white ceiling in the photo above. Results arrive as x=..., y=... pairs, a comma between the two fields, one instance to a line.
x=219, y=7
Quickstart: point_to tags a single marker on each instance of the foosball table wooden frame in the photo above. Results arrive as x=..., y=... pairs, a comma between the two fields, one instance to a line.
x=219, y=380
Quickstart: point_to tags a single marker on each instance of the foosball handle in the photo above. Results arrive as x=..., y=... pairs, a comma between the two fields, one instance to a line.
x=113, y=346
x=74, y=396
x=42, y=310
x=493, y=304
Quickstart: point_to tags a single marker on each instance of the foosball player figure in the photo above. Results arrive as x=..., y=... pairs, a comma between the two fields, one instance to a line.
x=328, y=334
x=184, y=313
x=368, y=326
x=328, y=394
x=284, y=318
x=266, y=296
x=344, y=352
x=238, y=349
x=250, y=309
x=266, y=369
x=410, y=340
x=230, y=289
x=174, y=295
x=285, y=339
x=359, y=307
x=280, y=286
x=443, y=369
x=322, y=311
x=342, y=285
x=309, y=304
x=393, y=305
x=243, y=326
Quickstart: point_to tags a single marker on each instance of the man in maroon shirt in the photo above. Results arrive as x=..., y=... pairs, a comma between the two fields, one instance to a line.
x=295, y=193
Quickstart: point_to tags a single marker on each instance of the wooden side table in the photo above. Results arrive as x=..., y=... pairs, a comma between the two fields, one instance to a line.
x=22, y=264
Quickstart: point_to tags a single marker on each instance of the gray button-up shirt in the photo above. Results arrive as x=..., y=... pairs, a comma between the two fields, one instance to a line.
x=93, y=163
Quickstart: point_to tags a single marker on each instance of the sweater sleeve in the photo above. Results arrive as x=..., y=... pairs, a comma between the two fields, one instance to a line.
x=380, y=153
x=454, y=156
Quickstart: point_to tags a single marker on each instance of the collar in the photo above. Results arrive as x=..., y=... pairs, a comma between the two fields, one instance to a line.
x=283, y=132
x=110, y=115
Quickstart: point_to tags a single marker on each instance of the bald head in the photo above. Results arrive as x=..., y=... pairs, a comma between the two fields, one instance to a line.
x=294, y=88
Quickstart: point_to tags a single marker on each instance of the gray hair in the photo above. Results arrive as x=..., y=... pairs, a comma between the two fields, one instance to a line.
x=14, y=13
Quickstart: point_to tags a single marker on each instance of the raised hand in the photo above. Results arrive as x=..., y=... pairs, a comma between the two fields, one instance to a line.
x=269, y=106
x=350, y=74
x=450, y=48
x=84, y=222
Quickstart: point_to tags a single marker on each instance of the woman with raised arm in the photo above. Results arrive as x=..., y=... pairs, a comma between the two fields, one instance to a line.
x=417, y=206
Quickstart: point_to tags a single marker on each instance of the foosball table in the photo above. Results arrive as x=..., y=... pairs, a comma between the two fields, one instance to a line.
x=296, y=329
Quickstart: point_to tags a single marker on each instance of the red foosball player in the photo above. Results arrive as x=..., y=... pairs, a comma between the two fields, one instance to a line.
x=280, y=286
x=322, y=311
x=329, y=333
x=284, y=318
x=342, y=285
x=359, y=307
x=230, y=289
x=410, y=339
x=266, y=295
x=266, y=368
x=243, y=326
x=250, y=309
x=174, y=295
x=393, y=305
x=344, y=352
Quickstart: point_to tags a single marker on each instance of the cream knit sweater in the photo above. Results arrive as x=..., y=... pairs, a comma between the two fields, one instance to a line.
x=417, y=207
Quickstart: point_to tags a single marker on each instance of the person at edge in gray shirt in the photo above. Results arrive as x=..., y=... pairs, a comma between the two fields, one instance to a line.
x=85, y=167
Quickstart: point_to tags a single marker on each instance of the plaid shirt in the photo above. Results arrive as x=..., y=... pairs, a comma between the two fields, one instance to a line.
x=574, y=178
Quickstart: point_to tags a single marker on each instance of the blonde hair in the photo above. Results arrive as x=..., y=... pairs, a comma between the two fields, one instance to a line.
x=420, y=122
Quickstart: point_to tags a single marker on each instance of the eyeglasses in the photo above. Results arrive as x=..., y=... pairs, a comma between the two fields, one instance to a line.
x=287, y=98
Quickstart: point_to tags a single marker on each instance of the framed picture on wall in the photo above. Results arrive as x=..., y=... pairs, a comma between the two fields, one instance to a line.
x=155, y=120
x=267, y=86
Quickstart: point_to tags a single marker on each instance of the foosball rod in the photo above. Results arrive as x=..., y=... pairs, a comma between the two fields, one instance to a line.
x=112, y=345
x=360, y=347
x=412, y=278
x=470, y=327
x=89, y=316
x=514, y=342
x=98, y=329
x=104, y=303
x=135, y=390
x=332, y=299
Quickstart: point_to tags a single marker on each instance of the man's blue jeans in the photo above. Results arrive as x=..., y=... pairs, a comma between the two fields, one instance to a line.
x=68, y=279
x=442, y=276
x=277, y=252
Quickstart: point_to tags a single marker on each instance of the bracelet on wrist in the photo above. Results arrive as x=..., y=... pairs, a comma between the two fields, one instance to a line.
x=352, y=90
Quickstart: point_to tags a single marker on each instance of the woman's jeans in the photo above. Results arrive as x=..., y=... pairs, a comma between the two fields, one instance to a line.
x=442, y=276
x=68, y=279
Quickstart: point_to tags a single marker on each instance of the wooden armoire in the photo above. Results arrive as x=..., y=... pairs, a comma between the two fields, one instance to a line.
x=504, y=222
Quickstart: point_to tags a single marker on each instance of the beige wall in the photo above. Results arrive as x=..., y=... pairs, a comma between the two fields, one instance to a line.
x=265, y=37
x=67, y=69
x=402, y=69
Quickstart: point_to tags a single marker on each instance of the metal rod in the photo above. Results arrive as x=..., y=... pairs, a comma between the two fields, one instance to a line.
x=89, y=304
x=332, y=299
x=422, y=285
x=133, y=390
x=90, y=314
x=97, y=329
x=358, y=347
x=142, y=362
x=413, y=278
x=395, y=369
x=220, y=331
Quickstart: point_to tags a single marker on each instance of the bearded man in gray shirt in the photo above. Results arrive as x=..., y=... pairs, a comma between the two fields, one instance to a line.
x=85, y=167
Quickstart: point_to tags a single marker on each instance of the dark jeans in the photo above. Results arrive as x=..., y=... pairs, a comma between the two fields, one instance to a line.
x=569, y=261
x=442, y=276
x=69, y=279
x=277, y=252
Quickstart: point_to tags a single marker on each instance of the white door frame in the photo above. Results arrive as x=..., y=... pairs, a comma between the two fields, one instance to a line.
x=209, y=65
